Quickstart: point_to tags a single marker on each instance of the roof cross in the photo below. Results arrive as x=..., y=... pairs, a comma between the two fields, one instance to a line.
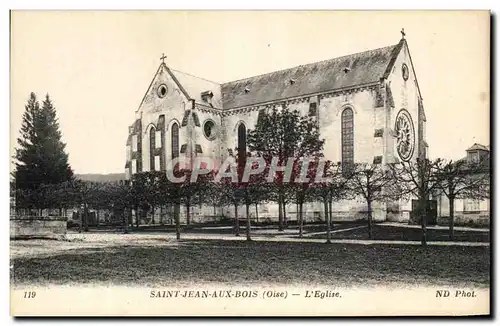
x=163, y=57
x=403, y=34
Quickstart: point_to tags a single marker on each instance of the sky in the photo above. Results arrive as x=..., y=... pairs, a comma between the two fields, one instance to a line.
x=97, y=65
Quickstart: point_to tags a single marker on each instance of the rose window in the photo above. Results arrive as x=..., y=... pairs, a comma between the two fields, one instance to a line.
x=405, y=135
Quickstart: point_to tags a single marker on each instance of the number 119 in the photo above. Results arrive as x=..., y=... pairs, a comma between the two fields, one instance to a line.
x=29, y=294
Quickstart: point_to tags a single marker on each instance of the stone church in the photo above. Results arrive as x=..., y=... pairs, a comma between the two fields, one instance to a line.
x=368, y=106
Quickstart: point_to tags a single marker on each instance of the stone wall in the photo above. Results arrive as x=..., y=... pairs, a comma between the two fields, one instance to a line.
x=467, y=219
x=25, y=227
x=403, y=95
x=481, y=217
x=212, y=148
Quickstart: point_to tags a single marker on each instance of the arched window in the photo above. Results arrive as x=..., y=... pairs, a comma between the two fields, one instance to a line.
x=160, y=141
x=152, y=145
x=242, y=145
x=175, y=140
x=347, y=138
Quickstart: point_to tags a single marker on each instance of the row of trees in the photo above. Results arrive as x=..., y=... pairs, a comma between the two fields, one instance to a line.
x=44, y=179
x=369, y=183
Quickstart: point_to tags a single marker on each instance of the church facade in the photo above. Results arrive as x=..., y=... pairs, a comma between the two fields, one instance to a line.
x=368, y=106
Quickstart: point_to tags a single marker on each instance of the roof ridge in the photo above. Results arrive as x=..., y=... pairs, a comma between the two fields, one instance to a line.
x=150, y=84
x=478, y=145
x=310, y=63
x=185, y=73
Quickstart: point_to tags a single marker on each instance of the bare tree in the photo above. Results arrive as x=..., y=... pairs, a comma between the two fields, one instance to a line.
x=337, y=186
x=89, y=194
x=418, y=178
x=255, y=192
x=372, y=182
x=463, y=179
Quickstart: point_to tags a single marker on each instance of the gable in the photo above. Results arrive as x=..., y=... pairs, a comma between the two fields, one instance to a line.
x=174, y=95
x=477, y=146
x=362, y=69
x=403, y=50
x=365, y=68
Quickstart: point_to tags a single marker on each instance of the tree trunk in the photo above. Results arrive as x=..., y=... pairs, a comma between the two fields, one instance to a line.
x=248, y=222
x=452, y=217
x=80, y=215
x=86, y=217
x=297, y=212
x=330, y=212
x=136, y=216
x=422, y=200
x=280, y=212
x=285, y=220
x=328, y=223
x=153, y=216
x=125, y=222
x=423, y=220
x=188, y=213
x=370, y=226
x=97, y=217
x=60, y=211
x=301, y=231
x=215, y=211
x=177, y=216
x=236, y=220
x=256, y=213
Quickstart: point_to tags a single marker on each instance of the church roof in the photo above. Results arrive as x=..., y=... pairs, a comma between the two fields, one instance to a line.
x=477, y=146
x=194, y=86
x=338, y=73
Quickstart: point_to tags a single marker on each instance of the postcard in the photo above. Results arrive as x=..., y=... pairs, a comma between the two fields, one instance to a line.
x=250, y=163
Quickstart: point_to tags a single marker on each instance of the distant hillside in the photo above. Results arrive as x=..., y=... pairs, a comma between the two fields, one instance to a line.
x=111, y=177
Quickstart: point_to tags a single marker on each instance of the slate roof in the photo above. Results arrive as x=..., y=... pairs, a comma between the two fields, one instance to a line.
x=194, y=86
x=365, y=67
x=484, y=164
x=477, y=146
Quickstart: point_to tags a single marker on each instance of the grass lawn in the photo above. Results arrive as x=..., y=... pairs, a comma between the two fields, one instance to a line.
x=381, y=232
x=224, y=229
x=355, y=230
x=163, y=262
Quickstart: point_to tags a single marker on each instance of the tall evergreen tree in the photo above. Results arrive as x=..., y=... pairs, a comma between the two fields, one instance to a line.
x=40, y=157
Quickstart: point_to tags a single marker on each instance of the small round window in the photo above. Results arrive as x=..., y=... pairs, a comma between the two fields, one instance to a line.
x=405, y=71
x=162, y=90
x=209, y=129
